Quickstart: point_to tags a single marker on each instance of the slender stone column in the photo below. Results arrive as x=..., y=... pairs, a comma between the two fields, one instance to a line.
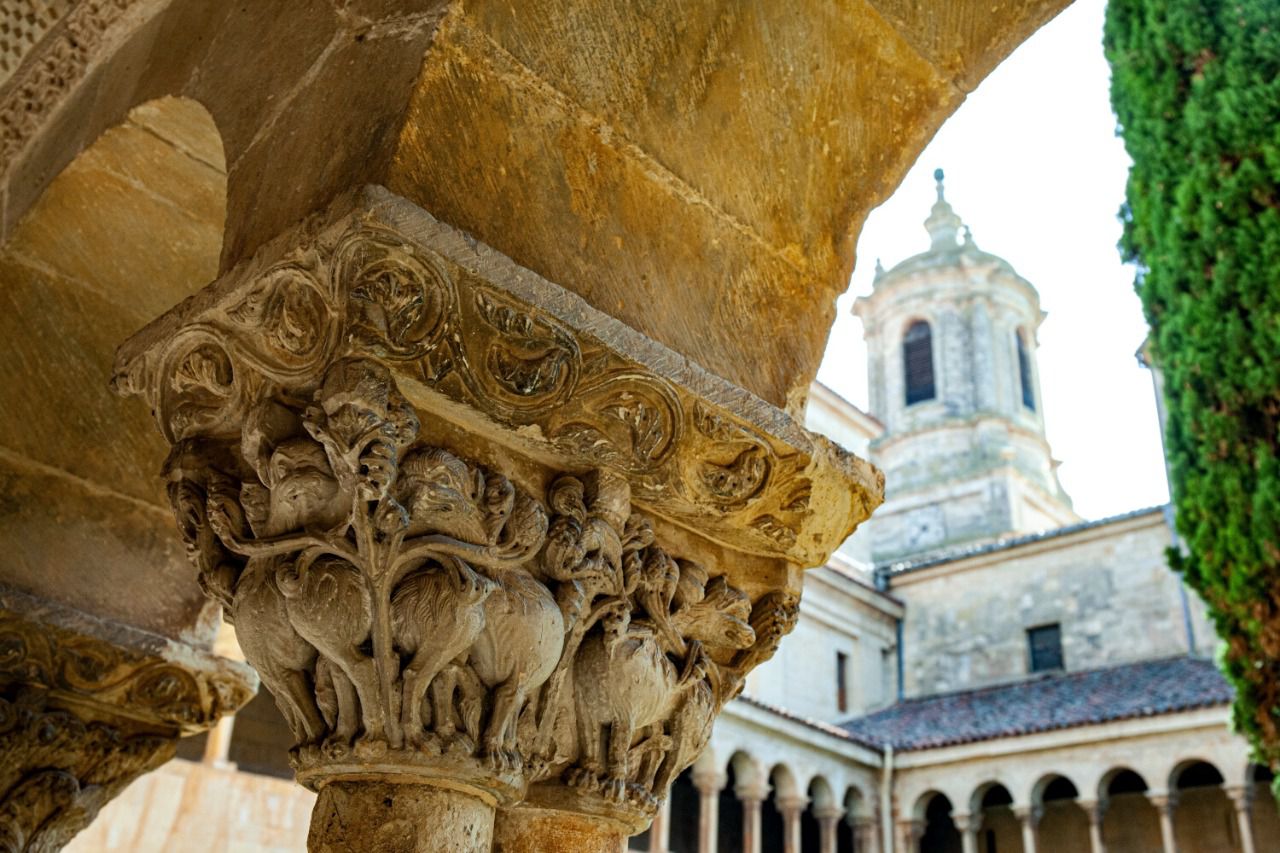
x=1242, y=799
x=526, y=829
x=1094, y=810
x=1029, y=817
x=752, y=797
x=660, y=829
x=909, y=835
x=438, y=495
x=829, y=818
x=866, y=834
x=350, y=816
x=968, y=826
x=792, y=808
x=709, y=786
x=1165, y=805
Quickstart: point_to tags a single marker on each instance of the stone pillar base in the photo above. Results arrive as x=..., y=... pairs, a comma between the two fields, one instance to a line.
x=533, y=830
x=355, y=817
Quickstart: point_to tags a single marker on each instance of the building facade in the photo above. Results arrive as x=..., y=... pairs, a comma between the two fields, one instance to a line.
x=977, y=670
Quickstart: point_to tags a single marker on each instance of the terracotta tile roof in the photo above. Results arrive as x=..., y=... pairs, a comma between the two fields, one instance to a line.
x=1046, y=703
x=819, y=725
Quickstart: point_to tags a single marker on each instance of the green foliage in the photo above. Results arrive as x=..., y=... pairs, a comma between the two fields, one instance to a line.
x=1196, y=88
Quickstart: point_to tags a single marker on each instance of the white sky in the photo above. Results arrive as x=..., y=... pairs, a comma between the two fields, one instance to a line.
x=1033, y=166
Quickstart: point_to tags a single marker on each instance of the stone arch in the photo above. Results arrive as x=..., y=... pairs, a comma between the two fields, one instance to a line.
x=1203, y=816
x=1063, y=824
x=1120, y=780
x=1194, y=773
x=856, y=803
x=984, y=791
x=341, y=78
x=820, y=793
x=359, y=94
x=1055, y=784
x=745, y=769
x=742, y=774
x=127, y=229
x=939, y=830
x=822, y=802
x=783, y=787
x=859, y=822
x=991, y=810
x=1129, y=820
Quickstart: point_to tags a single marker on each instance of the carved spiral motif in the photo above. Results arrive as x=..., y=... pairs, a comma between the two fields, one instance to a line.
x=398, y=300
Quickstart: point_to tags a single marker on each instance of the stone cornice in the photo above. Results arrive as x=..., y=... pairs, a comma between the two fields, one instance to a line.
x=467, y=330
x=114, y=671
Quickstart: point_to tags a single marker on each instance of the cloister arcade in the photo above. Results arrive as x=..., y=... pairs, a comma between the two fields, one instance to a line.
x=1193, y=807
x=799, y=792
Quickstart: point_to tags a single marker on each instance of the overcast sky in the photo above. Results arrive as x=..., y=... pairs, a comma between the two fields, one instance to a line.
x=1034, y=167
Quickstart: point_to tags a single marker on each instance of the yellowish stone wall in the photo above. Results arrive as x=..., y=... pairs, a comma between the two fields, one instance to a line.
x=1108, y=586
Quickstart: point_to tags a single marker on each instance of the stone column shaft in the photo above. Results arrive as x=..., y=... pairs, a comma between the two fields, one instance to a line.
x=792, y=808
x=1094, y=811
x=1029, y=817
x=866, y=835
x=527, y=829
x=1242, y=801
x=1165, y=805
x=752, y=799
x=660, y=829
x=909, y=833
x=829, y=818
x=968, y=826
x=709, y=786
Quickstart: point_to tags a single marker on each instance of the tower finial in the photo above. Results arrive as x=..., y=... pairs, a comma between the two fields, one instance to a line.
x=943, y=225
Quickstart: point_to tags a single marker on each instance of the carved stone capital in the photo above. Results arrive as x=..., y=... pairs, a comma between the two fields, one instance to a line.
x=473, y=533
x=86, y=707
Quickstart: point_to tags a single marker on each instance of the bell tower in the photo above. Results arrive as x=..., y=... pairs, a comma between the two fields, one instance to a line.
x=951, y=357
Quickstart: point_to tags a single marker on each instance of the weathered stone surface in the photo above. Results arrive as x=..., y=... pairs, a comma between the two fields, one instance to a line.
x=418, y=478
x=532, y=830
x=355, y=817
x=587, y=142
x=83, y=270
x=547, y=375
x=85, y=707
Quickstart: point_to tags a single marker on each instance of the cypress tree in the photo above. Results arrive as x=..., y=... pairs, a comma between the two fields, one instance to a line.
x=1196, y=89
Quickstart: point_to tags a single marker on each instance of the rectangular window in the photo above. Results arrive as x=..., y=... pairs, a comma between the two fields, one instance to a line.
x=842, y=682
x=1045, y=644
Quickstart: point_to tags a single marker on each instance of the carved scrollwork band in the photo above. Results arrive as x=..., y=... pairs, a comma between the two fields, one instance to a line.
x=85, y=708
x=467, y=326
x=124, y=671
x=417, y=614
x=59, y=770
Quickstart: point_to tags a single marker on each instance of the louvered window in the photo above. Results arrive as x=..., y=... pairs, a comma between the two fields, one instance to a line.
x=917, y=362
x=1024, y=372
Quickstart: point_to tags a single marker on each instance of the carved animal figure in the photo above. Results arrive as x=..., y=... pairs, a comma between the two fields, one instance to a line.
x=442, y=494
x=283, y=659
x=329, y=606
x=626, y=682
x=515, y=653
x=436, y=614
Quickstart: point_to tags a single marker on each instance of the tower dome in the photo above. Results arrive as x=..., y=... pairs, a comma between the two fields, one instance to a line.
x=951, y=357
